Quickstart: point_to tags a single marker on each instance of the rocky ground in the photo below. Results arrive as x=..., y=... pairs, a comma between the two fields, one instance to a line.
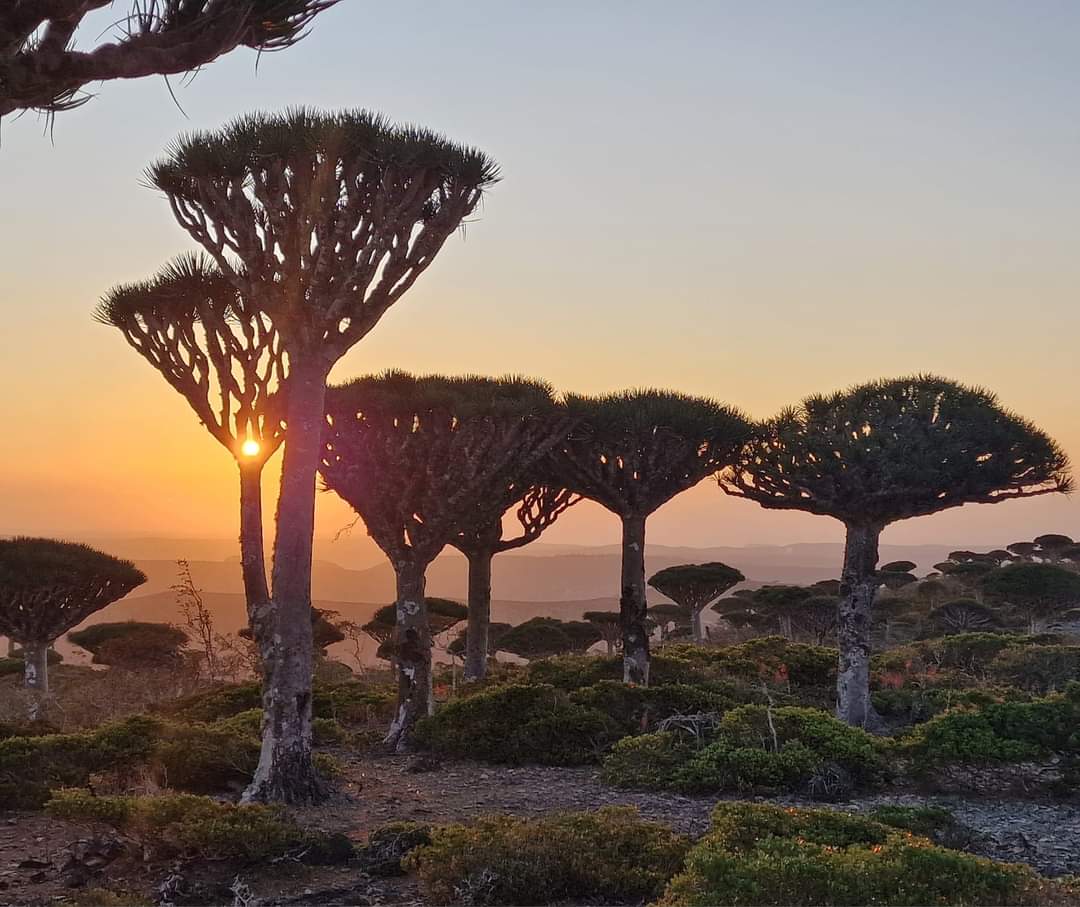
x=37, y=865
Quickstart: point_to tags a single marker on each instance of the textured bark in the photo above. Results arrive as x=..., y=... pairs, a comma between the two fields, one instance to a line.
x=412, y=647
x=696, y=623
x=632, y=604
x=858, y=586
x=476, y=636
x=253, y=557
x=285, y=771
x=36, y=675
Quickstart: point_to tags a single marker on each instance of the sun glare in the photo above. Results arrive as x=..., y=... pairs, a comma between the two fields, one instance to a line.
x=250, y=448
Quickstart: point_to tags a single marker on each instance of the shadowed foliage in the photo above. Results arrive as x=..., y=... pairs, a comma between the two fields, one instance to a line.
x=542, y=637
x=43, y=68
x=632, y=452
x=887, y=451
x=132, y=643
x=47, y=587
x=1039, y=591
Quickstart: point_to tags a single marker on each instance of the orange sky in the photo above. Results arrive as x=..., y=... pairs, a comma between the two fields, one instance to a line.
x=725, y=202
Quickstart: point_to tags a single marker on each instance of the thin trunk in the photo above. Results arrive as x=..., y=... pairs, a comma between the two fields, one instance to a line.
x=857, y=588
x=785, y=626
x=285, y=771
x=632, y=605
x=36, y=675
x=412, y=648
x=477, y=629
x=696, y=614
x=253, y=559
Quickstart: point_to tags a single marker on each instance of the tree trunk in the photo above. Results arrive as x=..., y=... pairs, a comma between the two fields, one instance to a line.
x=696, y=613
x=785, y=626
x=857, y=588
x=632, y=604
x=412, y=648
x=253, y=560
x=477, y=629
x=285, y=771
x=36, y=675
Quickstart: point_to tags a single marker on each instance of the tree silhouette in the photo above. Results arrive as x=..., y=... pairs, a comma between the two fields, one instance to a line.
x=695, y=587
x=1038, y=591
x=459, y=644
x=888, y=451
x=632, y=452
x=609, y=625
x=962, y=615
x=224, y=356
x=793, y=611
x=480, y=536
x=443, y=614
x=413, y=456
x=42, y=68
x=542, y=637
x=46, y=588
x=321, y=222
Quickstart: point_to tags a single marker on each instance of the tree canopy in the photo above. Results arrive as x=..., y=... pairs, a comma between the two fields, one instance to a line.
x=1039, y=590
x=695, y=585
x=49, y=586
x=542, y=637
x=893, y=449
x=42, y=66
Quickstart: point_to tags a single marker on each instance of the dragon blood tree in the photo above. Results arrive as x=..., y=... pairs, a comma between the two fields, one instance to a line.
x=632, y=452
x=42, y=66
x=536, y=506
x=413, y=456
x=48, y=587
x=224, y=357
x=322, y=222
x=695, y=587
x=882, y=452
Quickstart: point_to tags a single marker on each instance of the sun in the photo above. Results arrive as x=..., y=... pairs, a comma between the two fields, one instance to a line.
x=250, y=448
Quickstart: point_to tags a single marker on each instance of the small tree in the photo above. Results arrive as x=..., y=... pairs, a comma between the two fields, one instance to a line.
x=414, y=457
x=1038, y=591
x=224, y=356
x=459, y=644
x=197, y=617
x=888, y=451
x=42, y=68
x=962, y=615
x=543, y=637
x=321, y=222
x=46, y=588
x=609, y=625
x=132, y=645
x=632, y=453
x=535, y=506
x=695, y=587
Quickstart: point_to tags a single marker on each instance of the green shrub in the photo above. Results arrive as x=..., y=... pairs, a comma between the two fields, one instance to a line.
x=327, y=732
x=607, y=856
x=637, y=709
x=198, y=827
x=519, y=723
x=31, y=766
x=572, y=672
x=218, y=703
x=353, y=702
x=914, y=704
x=388, y=845
x=205, y=758
x=999, y=732
x=646, y=761
x=1041, y=669
x=766, y=855
x=933, y=822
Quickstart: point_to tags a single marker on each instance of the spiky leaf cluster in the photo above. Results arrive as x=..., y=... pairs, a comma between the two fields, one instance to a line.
x=42, y=66
x=894, y=449
x=418, y=457
x=49, y=586
x=332, y=216
x=633, y=451
x=211, y=345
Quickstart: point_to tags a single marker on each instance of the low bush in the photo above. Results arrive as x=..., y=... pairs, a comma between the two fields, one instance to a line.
x=999, y=732
x=217, y=703
x=389, y=844
x=915, y=704
x=1040, y=669
x=636, y=709
x=933, y=822
x=185, y=825
x=607, y=856
x=205, y=758
x=31, y=766
x=353, y=702
x=767, y=855
x=754, y=748
x=519, y=723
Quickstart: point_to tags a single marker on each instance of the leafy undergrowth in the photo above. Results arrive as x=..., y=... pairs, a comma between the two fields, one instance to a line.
x=765, y=855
